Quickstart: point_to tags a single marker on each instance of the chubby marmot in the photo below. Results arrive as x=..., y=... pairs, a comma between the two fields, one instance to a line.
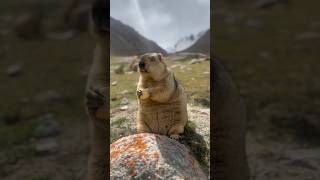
x=162, y=100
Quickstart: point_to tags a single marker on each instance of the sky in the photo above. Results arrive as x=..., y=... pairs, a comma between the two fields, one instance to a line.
x=163, y=21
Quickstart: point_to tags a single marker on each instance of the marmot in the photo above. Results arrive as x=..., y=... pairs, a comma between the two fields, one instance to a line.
x=96, y=94
x=162, y=100
x=229, y=127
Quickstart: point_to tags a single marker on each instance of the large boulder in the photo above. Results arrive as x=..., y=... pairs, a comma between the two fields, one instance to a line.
x=152, y=156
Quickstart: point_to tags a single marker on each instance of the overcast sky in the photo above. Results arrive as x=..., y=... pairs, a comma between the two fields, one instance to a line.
x=163, y=21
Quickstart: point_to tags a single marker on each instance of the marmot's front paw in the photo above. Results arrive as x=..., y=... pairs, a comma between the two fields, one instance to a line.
x=95, y=98
x=175, y=136
x=143, y=93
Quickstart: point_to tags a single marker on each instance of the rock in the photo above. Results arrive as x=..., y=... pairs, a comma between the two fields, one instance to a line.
x=203, y=101
x=113, y=98
x=174, y=66
x=309, y=35
x=114, y=83
x=47, y=127
x=253, y=23
x=62, y=35
x=124, y=101
x=271, y=3
x=264, y=55
x=195, y=61
x=125, y=92
x=134, y=64
x=29, y=26
x=14, y=70
x=119, y=69
x=124, y=108
x=46, y=147
x=152, y=156
x=48, y=96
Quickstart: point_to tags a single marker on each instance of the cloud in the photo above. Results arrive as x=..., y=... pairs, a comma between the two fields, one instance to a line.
x=163, y=21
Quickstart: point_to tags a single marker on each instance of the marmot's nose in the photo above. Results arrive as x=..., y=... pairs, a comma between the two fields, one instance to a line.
x=141, y=64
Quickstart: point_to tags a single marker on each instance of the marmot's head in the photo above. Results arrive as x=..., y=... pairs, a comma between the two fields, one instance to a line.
x=152, y=65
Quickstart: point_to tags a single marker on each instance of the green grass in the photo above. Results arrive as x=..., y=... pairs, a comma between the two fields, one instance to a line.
x=197, y=145
x=195, y=82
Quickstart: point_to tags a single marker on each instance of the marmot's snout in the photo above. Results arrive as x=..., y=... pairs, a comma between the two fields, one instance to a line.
x=141, y=64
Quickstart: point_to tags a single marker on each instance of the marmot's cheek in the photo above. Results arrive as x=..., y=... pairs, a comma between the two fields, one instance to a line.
x=145, y=94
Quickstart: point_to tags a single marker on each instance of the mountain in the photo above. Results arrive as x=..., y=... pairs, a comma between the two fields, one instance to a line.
x=125, y=41
x=202, y=45
x=187, y=41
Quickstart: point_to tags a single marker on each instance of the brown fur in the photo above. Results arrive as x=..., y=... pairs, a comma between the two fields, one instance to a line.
x=96, y=95
x=229, y=118
x=162, y=101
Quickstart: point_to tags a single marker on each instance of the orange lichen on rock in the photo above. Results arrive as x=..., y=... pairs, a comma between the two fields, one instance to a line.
x=156, y=156
x=137, y=145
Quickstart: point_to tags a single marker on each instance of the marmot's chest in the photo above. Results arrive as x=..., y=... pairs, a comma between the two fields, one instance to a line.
x=148, y=84
x=161, y=118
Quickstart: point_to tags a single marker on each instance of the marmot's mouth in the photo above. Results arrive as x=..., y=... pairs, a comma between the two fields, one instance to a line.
x=143, y=70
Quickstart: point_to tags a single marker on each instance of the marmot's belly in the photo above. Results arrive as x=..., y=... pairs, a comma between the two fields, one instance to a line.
x=160, y=118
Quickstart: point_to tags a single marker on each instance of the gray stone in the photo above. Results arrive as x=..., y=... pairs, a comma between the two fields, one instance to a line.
x=47, y=127
x=48, y=96
x=124, y=101
x=195, y=61
x=152, y=156
x=271, y=3
x=114, y=83
x=124, y=108
x=14, y=70
x=46, y=147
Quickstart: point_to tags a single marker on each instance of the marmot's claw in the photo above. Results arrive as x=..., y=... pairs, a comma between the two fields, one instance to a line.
x=139, y=93
x=175, y=137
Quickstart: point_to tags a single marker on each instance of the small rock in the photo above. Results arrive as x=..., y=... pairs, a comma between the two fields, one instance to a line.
x=206, y=72
x=130, y=72
x=254, y=23
x=174, y=66
x=47, y=127
x=124, y=101
x=114, y=83
x=48, y=96
x=124, y=108
x=309, y=35
x=271, y=3
x=203, y=101
x=125, y=92
x=113, y=98
x=29, y=26
x=62, y=35
x=119, y=69
x=46, y=147
x=14, y=70
x=195, y=61
x=264, y=55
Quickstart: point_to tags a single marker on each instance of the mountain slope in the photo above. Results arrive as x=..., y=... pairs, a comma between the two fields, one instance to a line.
x=202, y=45
x=125, y=41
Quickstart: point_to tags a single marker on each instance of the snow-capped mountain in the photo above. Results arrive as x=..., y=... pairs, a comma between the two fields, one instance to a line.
x=186, y=42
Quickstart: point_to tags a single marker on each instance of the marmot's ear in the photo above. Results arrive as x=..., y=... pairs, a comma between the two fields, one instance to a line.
x=160, y=56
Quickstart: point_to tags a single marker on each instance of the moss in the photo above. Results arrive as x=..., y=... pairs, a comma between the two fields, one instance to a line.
x=197, y=145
